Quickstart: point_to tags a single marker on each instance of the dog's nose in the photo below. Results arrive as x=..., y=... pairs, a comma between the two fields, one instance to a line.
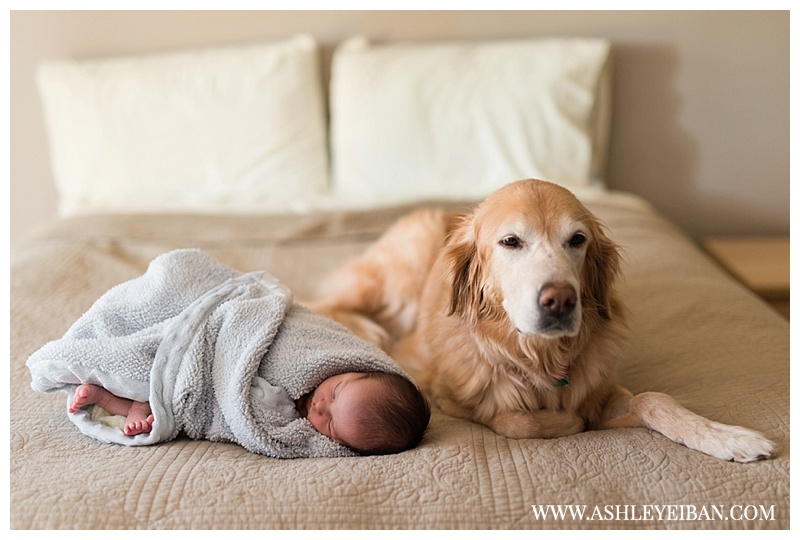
x=558, y=298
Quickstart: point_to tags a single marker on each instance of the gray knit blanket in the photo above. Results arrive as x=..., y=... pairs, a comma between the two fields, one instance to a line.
x=203, y=343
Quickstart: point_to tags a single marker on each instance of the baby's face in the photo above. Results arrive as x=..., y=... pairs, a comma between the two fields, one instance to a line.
x=331, y=407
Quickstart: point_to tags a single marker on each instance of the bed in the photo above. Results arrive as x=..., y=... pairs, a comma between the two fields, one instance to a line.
x=255, y=169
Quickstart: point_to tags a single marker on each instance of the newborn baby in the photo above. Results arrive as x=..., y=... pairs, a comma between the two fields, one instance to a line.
x=197, y=348
x=374, y=412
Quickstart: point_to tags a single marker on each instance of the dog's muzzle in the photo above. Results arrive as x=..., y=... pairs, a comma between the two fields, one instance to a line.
x=559, y=309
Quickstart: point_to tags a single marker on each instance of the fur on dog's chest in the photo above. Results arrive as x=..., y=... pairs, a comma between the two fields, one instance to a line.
x=514, y=384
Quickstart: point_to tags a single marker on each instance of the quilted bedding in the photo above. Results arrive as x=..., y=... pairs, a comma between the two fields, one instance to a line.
x=697, y=335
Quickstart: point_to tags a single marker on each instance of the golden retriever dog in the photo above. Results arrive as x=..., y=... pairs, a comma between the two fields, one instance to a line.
x=508, y=316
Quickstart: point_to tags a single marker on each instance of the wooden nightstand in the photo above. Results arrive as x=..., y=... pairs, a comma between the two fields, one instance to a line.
x=760, y=262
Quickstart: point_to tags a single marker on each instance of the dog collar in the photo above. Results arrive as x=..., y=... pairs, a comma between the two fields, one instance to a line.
x=564, y=379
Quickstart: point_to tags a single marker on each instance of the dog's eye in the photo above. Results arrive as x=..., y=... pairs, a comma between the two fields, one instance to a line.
x=577, y=240
x=511, y=242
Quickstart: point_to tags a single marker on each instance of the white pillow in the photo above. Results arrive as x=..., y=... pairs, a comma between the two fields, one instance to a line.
x=228, y=129
x=459, y=120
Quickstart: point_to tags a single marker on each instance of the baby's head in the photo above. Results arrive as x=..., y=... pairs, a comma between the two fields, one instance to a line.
x=372, y=412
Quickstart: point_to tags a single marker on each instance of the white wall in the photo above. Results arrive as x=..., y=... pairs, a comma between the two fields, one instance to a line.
x=701, y=108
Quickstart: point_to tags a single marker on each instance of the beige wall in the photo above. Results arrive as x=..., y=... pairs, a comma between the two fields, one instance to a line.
x=701, y=108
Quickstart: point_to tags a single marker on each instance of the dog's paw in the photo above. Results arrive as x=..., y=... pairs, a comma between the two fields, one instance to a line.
x=733, y=443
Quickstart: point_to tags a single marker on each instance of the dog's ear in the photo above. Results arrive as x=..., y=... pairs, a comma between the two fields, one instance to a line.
x=462, y=269
x=600, y=271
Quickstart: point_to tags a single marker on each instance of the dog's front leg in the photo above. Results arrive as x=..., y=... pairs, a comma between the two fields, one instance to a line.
x=662, y=413
x=542, y=424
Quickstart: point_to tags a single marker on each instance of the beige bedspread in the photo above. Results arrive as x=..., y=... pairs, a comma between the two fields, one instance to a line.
x=697, y=335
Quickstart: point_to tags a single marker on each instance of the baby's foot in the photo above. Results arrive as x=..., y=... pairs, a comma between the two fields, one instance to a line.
x=85, y=394
x=140, y=426
x=139, y=420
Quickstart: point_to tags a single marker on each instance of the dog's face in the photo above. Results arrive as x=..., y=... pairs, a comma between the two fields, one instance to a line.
x=534, y=251
x=537, y=271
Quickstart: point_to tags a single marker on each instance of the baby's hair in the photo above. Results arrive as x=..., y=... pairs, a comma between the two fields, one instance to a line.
x=397, y=420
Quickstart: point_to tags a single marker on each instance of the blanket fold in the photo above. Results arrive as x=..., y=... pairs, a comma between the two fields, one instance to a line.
x=203, y=343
